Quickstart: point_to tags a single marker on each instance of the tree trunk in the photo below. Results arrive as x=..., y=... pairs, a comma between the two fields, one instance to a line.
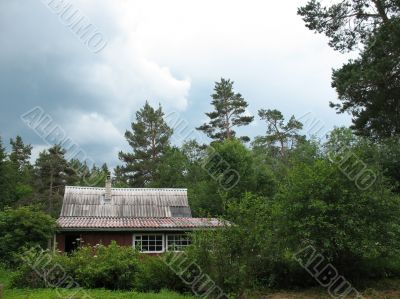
x=51, y=193
x=381, y=10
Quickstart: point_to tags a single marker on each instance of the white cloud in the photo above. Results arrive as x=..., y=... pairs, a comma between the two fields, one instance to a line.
x=93, y=128
x=162, y=51
x=122, y=75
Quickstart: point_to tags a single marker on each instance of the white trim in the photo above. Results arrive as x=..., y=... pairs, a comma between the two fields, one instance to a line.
x=150, y=234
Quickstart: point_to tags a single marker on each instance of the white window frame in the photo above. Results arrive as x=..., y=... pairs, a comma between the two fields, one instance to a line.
x=149, y=234
x=175, y=234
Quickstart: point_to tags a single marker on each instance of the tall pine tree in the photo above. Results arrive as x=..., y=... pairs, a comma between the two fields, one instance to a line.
x=281, y=137
x=51, y=171
x=5, y=182
x=149, y=140
x=368, y=87
x=21, y=171
x=229, y=112
x=20, y=154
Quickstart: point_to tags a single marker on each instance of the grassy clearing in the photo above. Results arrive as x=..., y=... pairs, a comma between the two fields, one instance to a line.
x=384, y=289
x=4, y=277
x=95, y=294
x=320, y=294
x=78, y=294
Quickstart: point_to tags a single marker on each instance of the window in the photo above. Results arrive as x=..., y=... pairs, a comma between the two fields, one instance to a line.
x=178, y=242
x=149, y=243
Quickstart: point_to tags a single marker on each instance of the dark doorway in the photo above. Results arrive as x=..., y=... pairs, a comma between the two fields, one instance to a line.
x=71, y=242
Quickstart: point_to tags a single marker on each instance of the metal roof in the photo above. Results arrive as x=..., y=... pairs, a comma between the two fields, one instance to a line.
x=125, y=202
x=110, y=223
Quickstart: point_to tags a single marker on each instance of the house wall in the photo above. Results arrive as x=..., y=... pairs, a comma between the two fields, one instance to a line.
x=105, y=238
x=93, y=238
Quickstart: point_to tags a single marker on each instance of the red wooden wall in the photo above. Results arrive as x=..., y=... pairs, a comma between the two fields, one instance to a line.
x=93, y=238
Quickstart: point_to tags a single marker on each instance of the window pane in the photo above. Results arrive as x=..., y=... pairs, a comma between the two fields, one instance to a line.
x=149, y=243
x=177, y=242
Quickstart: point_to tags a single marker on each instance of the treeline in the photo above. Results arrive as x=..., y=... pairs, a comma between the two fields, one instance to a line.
x=41, y=183
x=216, y=173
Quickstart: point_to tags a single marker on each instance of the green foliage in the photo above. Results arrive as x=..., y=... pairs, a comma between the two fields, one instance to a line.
x=87, y=293
x=223, y=174
x=155, y=275
x=229, y=112
x=368, y=87
x=350, y=22
x=5, y=180
x=111, y=267
x=23, y=228
x=149, y=140
x=20, y=154
x=51, y=171
x=16, y=174
x=172, y=170
x=233, y=167
x=281, y=137
x=318, y=205
x=245, y=254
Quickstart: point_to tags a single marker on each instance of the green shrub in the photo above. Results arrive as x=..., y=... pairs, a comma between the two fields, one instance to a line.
x=22, y=228
x=154, y=275
x=111, y=267
x=32, y=273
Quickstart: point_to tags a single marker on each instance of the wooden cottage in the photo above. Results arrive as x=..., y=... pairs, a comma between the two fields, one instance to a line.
x=153, y=220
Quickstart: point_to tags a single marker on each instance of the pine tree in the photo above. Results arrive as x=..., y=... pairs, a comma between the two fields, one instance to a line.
x=20, y=172
x=51, y=171
x=79, y=172
x=20, y=154
x=98, y=176
x=5, y=182
x=149, y=140
x=367, y=86
x=229, y=112
x=285, y=135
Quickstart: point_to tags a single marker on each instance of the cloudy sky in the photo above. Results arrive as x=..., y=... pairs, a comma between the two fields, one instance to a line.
x=168, y=52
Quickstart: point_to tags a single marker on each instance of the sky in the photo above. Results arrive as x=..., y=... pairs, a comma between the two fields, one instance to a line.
x=88, y=86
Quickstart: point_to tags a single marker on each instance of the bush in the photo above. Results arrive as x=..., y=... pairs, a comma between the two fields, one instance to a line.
x=244, y=254
x=32, y=272
x=154, y=275
x=23, y=228
x=355, y=230
x=111, y=267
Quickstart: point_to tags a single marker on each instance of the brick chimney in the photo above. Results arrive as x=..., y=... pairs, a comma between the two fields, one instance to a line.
x=107, y=194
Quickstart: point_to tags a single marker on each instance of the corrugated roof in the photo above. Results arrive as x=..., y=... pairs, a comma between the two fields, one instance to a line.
x=125, y=202
x=101, y=223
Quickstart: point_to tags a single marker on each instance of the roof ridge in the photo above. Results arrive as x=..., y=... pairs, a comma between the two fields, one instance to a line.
x=117, y=188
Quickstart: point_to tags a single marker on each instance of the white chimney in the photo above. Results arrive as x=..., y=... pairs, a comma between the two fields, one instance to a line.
x=107, y=195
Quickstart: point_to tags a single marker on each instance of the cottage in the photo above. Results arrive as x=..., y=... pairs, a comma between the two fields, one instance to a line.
x=151, y=219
